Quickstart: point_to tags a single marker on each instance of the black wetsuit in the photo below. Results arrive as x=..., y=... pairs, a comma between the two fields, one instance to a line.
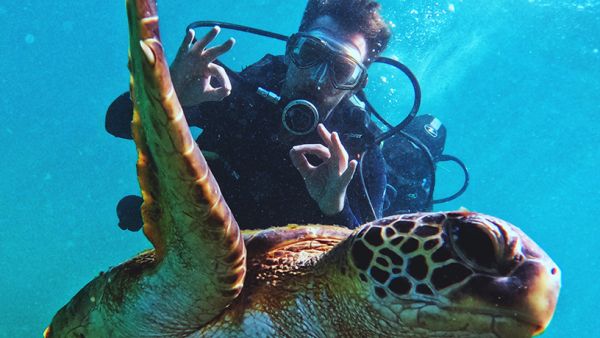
x=254, y=169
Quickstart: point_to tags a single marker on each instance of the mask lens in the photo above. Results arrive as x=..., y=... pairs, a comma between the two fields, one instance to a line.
x=346, y=73
x=306, y=52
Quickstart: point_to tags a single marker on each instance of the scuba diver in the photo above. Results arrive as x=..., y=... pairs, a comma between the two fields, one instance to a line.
x=310, y=154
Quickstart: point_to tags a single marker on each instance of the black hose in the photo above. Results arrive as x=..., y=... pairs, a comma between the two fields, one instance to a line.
x=364, y=184
x=241, y=28
x=466, y=181
x=416, y=103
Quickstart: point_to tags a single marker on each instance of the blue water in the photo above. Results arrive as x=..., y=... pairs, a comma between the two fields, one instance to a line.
x=516, y=82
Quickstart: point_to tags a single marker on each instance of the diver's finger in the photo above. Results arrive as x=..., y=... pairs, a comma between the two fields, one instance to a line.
x=300, y=162
x=348, y=174
x=318, y=150
x=214, y=52
x=221, y=75
x=341, y=155
x=187, y=41
x=199, y=46
x=216, y=94
x=337, y=164
x=324, y=133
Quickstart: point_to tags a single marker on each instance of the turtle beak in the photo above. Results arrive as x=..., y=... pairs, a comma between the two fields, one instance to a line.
x=542, y=280
x=544, y=296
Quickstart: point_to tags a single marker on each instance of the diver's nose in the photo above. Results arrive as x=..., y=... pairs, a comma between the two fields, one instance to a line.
x=319, y=74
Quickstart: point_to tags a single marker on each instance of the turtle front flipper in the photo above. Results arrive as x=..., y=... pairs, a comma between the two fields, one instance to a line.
x=198, y=264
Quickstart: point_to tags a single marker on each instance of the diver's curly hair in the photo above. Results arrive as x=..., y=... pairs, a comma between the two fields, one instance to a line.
x=360, y=16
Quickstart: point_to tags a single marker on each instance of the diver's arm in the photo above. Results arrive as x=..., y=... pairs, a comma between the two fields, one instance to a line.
x=120, y=112
x=357, y=210
x=346, y=217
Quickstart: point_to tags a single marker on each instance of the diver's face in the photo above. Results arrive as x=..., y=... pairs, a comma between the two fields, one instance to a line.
x=315, y=82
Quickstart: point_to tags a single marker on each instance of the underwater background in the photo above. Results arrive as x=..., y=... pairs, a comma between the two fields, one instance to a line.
x=516, y=82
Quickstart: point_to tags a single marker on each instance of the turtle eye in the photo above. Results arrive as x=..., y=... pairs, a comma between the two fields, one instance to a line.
x=475, y=243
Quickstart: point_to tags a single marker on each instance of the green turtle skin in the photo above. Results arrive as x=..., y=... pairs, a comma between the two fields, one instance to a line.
x=446, y=274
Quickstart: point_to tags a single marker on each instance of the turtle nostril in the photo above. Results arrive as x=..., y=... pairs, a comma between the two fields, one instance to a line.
x=554, y=271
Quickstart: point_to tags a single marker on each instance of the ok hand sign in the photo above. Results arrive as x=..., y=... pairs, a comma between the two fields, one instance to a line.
x=327, y=182
x=193, y=69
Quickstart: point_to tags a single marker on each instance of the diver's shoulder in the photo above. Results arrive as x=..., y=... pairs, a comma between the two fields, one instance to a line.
x=270, y=68
x=269, y=60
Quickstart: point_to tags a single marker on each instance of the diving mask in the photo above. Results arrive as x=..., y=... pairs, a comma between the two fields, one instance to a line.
x=344, y=70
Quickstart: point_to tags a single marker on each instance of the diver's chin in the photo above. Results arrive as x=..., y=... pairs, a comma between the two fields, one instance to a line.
x=316, y=97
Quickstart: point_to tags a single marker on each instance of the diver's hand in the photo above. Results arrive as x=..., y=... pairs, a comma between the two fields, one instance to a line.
x=327, y=182
x=193, y=68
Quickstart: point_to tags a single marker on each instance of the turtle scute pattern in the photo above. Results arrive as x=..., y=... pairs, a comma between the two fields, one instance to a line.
x=396, y=254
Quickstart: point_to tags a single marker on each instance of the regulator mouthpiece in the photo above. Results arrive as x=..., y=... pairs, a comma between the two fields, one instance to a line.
x=299, y=117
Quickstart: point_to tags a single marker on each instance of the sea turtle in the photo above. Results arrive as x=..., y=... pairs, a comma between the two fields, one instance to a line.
x=430, y=274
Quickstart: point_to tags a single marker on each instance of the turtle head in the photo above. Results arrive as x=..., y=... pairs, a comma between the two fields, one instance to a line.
x=456, y=273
